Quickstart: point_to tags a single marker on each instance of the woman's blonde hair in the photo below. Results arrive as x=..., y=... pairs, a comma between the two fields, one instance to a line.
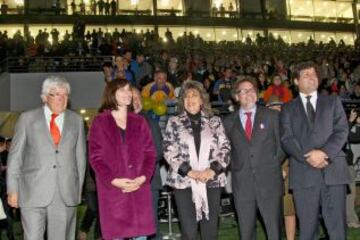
x=188, y=85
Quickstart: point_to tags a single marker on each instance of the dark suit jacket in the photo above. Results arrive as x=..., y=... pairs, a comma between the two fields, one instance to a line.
x=328, y=133
x=258, y=162
x=157, y=139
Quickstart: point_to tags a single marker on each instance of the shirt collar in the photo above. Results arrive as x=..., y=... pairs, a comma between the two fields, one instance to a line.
x=313, y=95
x=252, y=110
x=48, y=112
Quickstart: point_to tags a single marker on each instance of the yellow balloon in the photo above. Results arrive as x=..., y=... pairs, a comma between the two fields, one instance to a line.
x=147, y=103
x=159, y=96
x=160, y=109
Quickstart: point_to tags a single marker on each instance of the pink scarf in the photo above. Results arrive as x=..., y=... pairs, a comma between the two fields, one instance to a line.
x=199, y=191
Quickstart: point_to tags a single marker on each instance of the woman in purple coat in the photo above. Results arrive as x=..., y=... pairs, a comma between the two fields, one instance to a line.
x=122, y=155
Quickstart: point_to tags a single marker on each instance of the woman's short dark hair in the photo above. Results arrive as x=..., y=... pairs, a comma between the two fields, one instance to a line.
x=108, y=98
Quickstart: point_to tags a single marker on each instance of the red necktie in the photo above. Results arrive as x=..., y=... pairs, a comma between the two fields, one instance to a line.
x=54, y=130
x=248, y=125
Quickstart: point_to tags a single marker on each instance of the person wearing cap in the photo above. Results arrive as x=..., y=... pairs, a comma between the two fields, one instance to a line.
x=46, y=165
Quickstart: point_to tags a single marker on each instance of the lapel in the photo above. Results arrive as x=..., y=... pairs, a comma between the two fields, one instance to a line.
x=301, y=109
x=238, y=126
x=205, y=136
x=66, y=128
x=303, y=114
x=256, y=126
x=113, y=132
x=318, y=112
x=114, y=135
x=44, y=125
x=258, y=120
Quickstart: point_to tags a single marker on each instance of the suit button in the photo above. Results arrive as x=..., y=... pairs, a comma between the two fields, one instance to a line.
x=54, y=166
x=57, y=151
x=251, y=156
x=130, y=166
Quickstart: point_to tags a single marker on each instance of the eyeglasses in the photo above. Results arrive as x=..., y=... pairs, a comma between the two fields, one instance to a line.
x=245, y=91
x=58, y=95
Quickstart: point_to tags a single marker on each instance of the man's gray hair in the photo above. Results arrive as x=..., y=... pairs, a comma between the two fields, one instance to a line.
x=53, y=82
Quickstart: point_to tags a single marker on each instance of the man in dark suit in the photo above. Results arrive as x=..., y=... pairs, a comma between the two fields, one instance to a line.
x=8, y=210
x=256, y=158
x=314, y=129
x=156, y=184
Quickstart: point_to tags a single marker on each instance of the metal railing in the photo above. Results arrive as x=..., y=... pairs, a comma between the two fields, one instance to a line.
x=53, y=64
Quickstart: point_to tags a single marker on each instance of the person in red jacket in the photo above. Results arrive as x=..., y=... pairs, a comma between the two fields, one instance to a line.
x=277, y=89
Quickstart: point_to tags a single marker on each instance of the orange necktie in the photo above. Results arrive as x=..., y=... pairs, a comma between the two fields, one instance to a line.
x=54, y=130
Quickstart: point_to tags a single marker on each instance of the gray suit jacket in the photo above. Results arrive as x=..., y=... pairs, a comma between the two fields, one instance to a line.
x=256, y=165
x=328, y=133
x=36, y=168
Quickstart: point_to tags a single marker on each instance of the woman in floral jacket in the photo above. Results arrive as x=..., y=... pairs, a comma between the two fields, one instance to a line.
x=197, y=150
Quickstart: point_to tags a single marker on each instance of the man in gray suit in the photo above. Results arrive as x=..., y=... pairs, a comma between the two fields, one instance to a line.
x=314, y=129
x=46, y=165
x=256, y=158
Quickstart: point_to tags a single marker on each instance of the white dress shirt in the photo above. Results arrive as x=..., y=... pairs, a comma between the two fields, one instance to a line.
x=59, y=120
x=313, y=99
x=243, y=116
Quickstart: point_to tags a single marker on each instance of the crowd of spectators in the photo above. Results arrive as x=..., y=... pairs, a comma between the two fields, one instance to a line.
x=216, y=64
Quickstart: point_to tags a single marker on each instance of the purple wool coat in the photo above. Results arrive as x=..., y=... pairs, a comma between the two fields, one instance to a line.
x=122, y=214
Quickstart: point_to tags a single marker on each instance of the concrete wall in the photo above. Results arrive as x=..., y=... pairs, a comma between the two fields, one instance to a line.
x=278, y=5
x=21, y=91
x=250, y=6
x=4, y=92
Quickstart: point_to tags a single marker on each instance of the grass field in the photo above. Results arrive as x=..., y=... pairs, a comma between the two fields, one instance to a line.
x=227, y=231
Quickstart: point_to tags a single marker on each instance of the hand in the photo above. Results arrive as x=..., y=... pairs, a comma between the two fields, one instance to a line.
x=125, y=184
x=194, y=174
x=140, y=180
x=2, y=147
x=317, y=159
x=353, y=115
x=13, y=200
x=206, y=175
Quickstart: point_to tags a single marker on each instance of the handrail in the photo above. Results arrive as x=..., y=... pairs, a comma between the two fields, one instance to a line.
x=53, y=64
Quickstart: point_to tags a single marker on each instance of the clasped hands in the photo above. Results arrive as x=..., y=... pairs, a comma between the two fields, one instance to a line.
x=202, y=176
x=317, y=158
x=128, y=185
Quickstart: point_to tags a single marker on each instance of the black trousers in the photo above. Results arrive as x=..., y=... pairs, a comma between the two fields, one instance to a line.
x=9, y=219
x=91, y=214
x=187, y=214
x=155, y=197
x=271, y=213
x=330, y=202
